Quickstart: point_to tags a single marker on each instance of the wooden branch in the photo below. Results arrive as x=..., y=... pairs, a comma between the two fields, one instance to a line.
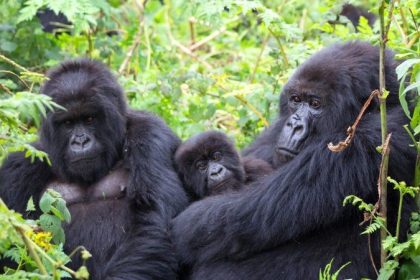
x=207, y=39
x=342, y=145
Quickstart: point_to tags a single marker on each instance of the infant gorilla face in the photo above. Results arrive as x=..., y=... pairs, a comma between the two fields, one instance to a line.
x=209, y=164
x=212, y=167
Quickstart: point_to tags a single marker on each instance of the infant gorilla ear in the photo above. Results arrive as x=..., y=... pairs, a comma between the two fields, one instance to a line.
x=209, y=164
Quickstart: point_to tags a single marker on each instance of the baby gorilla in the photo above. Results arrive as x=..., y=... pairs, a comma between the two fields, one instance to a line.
x=209, y=164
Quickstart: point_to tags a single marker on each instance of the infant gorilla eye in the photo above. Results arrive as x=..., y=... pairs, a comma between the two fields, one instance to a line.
x=295, y=99
x=201, y=165
x=68, y=122
x=315, y=103
x=217, y=156
x=89, y=119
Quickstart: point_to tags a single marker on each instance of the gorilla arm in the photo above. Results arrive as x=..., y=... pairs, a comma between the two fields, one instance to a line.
x=149, y=150
x=302, y=196
x=255, y=169
x=158, y=195
x=20, y=179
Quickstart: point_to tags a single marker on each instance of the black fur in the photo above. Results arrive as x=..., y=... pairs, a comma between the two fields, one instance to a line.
x=293, y=223
x=129, y=237
x=201, y=149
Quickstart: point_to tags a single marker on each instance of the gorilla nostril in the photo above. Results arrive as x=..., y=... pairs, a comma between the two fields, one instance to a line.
x=216, y=172
x=298, y=128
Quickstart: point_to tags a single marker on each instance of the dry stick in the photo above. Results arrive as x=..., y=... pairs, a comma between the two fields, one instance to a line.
x=257, y=63
x=11, y=62
x=282, y=51
x=6, y=89
x=192, y=22
x=15, y=75
x=252, y=108
x=342, y=145
x=182, y=47
x=137, y=39
x=130, y=52
x=401, y=30
x=213, y=35
x=370, y=252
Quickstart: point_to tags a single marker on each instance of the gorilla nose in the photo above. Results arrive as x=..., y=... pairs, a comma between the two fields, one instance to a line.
x=217, y=172
x=80, y=142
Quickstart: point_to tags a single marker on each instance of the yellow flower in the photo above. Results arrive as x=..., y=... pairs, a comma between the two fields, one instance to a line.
x=41, y=238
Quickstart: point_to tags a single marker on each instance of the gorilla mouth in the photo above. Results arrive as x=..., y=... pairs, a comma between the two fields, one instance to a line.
x=287, y=152
x=83, y=159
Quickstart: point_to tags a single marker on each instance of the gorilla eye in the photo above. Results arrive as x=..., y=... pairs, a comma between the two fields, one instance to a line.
x=89, y=119
x=217, y=156
x=202, y=165
x=315, y=103
x=296, y=99
x=68, y=122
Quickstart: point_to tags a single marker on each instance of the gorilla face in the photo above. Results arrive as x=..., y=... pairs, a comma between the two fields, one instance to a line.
x=312, y=99
x=303, y=108
x=86, y=139
x=209, y=164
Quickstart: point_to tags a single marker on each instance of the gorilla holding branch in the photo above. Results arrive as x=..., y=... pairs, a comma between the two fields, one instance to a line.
x=209, y=164
x=114, y=168
x=293, y=223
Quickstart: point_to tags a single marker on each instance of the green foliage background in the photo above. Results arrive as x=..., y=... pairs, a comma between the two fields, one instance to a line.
x=215, y=64
x=231, y=83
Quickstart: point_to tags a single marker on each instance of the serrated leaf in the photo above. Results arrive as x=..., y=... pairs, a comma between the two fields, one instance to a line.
x=57, y=213
x=46, y=202
x=59, y=236
x=50, y=223
x=61, y=206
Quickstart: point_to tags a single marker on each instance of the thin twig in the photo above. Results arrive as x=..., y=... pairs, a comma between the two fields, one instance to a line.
x=257, y=63
x=370, y=252
x=213, y=35
x=282, y=51
x=342, y=145
x=6, y=89
x=252, y=108
x=31, y=250
x=183, y=48
x=11, y=62
x=381, y=181
x=400, y=29
x=136, y=42
x=192, y=22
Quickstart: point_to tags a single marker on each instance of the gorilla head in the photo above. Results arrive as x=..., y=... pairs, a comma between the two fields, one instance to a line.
x=308, y=107
x=85, y=140
x=209, y=164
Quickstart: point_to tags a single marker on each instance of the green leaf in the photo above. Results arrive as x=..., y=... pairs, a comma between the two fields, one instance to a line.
x=61, y=206
x=46, y=202
x=31, y=205
x=412, y=86
x=403, y=68
x=57, y=213
x=50, y=223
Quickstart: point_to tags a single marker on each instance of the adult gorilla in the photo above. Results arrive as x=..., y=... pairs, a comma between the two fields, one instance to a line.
x=293, y=223
x=113, y=166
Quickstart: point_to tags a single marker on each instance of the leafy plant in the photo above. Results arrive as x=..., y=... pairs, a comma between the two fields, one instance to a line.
x=405, y=252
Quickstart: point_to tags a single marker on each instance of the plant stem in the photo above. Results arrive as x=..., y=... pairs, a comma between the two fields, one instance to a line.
x=11, y=62
x=400, y=205
x=384, y=129
x=31, y=250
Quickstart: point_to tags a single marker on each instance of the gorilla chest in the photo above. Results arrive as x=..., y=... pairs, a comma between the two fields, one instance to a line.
x=100, y=214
